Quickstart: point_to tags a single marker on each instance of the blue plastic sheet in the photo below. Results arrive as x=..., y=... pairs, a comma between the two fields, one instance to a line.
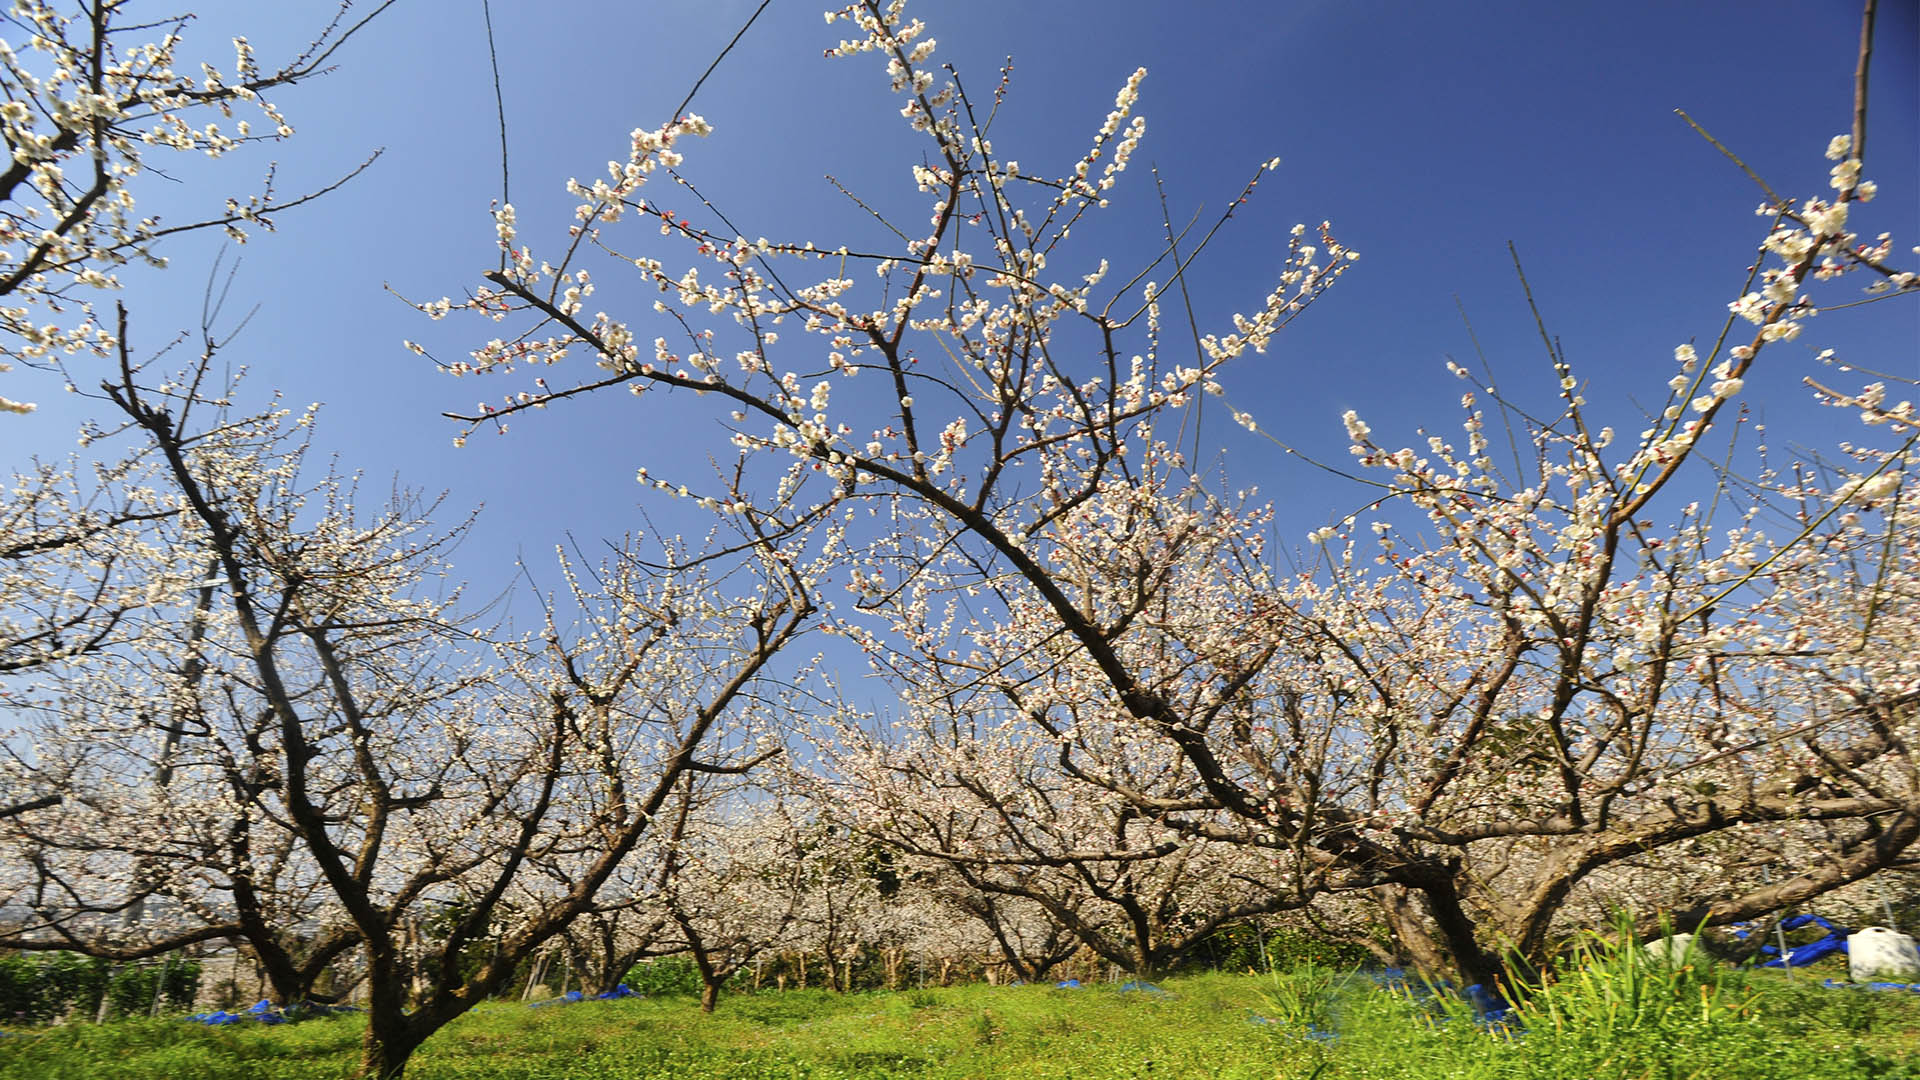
x=1802, y=955
x=1067, y=984
x=1795, y=922
x=262, y=1011
x=1144, y=988
x=573, y=996
x=1488, y=1006
x=1792, y=922
x=266, y=1012
x=1390, y=978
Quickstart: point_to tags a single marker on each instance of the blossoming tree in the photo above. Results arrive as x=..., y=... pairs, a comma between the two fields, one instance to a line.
x=740, y=883
x=1542, y=678
x=989, y=812
x=334, y=754
x=89, y=95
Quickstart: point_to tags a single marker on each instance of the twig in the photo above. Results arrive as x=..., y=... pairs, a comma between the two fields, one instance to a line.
x=1731, y=156
x=500, y=106
x=1186, y=298
x=1860, y=82
x=681, y=111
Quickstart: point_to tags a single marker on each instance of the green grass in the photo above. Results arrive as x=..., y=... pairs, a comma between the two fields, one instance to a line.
x=1656, y=1028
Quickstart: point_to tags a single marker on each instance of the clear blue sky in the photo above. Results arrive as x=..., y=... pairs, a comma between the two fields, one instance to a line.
x=1431, y=134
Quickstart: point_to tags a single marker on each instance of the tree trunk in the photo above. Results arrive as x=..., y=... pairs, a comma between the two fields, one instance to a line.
x=106, y=994
x=1143, y=966
x=598, y=979
x=386, y=1060
x=1409, y=928
x=832, y=958
x=710, y=974
x=1476, y=966
x=391, y=1039
x=1140, y=924
x=290, y=982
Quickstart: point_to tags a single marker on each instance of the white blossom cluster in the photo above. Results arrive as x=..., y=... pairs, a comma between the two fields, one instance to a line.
x=83, y=111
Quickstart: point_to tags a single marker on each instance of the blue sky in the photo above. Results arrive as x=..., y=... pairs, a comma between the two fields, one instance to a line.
x=1430, y=134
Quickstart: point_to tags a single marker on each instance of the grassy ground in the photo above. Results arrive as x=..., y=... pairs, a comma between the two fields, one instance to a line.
x=1736, y=1028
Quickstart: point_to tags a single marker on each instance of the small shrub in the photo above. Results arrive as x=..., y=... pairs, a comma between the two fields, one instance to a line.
x=667, y=975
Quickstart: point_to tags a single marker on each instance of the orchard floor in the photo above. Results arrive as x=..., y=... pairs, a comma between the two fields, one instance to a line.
x=1205, y=1026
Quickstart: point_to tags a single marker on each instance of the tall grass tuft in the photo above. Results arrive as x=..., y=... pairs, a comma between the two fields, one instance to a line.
x=1619, y=1008
x=1610, y=988
x=1303, y=1000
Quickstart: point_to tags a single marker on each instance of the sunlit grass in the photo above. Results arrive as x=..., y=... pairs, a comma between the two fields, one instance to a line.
x=1599, y=1021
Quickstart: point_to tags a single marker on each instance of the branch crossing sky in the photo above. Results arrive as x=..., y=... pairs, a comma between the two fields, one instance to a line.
x=1430, y=135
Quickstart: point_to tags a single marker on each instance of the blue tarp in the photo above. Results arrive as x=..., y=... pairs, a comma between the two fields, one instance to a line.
x=1797, y=921
x=261, y=1011
x=1803, y=955
x=1792, y=922
x=1488, y=1006
x=265, y=1012
x=572, y=996
x=1800, y=955
x=1143, y=987
x=1067, y=984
